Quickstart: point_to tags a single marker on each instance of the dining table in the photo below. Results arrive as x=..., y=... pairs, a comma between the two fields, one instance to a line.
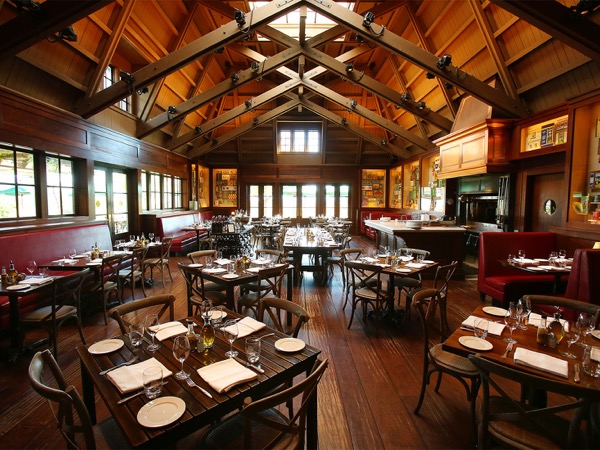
x=540, y=267
x=200, y=229
x=300, y=242
x=197, y=407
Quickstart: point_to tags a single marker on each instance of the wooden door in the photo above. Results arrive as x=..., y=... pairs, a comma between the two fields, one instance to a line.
x=542, y=214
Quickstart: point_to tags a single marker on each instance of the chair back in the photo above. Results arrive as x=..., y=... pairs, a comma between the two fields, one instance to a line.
x=196, y=288
x=285, y=427
x=165, y=249
x=585, y=273
x=422, y=301
x=111, y=265
x=443, y=274
x=275, y=306
x=65, y=292
x=570, y=308
x=270, y=280
x=72, y=417
x=199, y=257
x=522, y=424
x=138, y=254
x=275, y=255
x=136, y=311
x=414, y=251
x=366, y=280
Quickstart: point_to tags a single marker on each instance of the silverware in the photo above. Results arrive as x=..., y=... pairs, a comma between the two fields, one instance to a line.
x=266, y=335
x=576, y=377
x=251, y=366
x=509, y=348
x=126, y=363
x=192, y=383
x=137, y=394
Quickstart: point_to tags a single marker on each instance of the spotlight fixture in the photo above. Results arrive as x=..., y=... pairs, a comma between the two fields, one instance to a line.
x=68, y=34
x=444, y=61
x=368, y=19
x=28, y=5
x=248, y=103
x=171, y=110
x=239, y=17
x=349, y=68
x=429, y=76
x=359, y=38
x=220, y=50
x=197, y=129
x=255, y=66
x=235, y=77
x=215, y=142
x=255, y=121
x=353, y=104
x=127, y=77
x=421, y=106
x=405, y=97
x=344, y=121
x=383, y=142
x=141, y=91
x=584, y=7
x=448, y=85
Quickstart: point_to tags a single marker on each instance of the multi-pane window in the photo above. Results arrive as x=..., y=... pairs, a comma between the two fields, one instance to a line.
x=309, y=200
x=154, y=191
x=177, y=192
x=299, y=137
x=110, y=190
x=59, y=182
x=261, y=201
x=17, y=182
x=337, y=200
x=101, y=194
x=161, y=191
x=119, y=203
x=167, y=192
x=289, y=200
x=110, y=78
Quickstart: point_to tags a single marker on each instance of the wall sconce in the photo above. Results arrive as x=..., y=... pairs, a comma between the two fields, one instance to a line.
x=421, y=106
x=349, y=68
x=443, y=62
x=197, y=129
x=405, y=97
x=368, y=19
x=234, y=77
x=429, y=76
x=240, y=18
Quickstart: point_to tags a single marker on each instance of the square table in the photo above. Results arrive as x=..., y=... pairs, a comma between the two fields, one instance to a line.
x=200, y=409
x=299, y=244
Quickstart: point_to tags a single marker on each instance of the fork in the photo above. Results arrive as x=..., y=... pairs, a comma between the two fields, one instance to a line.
x=192, y=383
x=509, y=348
x=126, y=363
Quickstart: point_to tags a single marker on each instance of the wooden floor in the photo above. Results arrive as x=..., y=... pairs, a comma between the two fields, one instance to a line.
x=366, y=398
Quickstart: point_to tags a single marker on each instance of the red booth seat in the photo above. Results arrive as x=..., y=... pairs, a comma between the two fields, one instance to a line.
x=172, y=226
x=376, y=215
x=45, y=245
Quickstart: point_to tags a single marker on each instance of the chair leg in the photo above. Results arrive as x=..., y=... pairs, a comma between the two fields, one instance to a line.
x=424, y=383
x=169, y=269
x=351, y=313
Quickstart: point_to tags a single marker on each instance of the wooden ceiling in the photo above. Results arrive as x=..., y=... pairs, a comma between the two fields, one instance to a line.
x=224, y=80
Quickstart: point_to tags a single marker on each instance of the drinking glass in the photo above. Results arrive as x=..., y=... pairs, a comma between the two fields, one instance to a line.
x=480, y=330
x=552, y=257
x=253, y=350
x=216, y=315
x=209, y=262
x=571, y=334
x=230, y=331
x=151, y=237
x=72, y=253
x=562, y=254
x=521, y=255
x=205, y=308
x=181, y=350
x=590, y=365
x=585, y=323
x=152, y=379
x=510, y=258
x=523, y=309
x=31, y=266
x=151, y=324
x=511, y=319
x=219, y=255
x=136, y=334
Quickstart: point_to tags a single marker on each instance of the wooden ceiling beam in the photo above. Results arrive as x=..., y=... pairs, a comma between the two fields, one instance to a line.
x=52, y=16
x=560, y=22
x=206, y=44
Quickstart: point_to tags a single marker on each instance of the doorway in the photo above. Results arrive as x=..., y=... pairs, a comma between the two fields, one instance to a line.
x=545, y=209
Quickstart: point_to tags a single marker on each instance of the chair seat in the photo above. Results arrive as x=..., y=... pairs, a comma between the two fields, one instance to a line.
x=407, y=282
x=152, y=261
x=42, y=313
x=451, y=361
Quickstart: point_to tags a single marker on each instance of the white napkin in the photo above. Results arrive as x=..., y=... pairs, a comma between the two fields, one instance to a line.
x=36, y=281
x=169, y=329
x=223, y=375
x=541, y=361
x=384, y=265
x=534, y=319
x=248, y=325
x=369, y=260
x=222, y=261
x=65, y=261
x=525, y=262
x=405, y=258
x=416, y=265
x=216, y=270
x=129, y=378
x=595, y=354
x=260, y=261
x=494, y=328
x=254, y=269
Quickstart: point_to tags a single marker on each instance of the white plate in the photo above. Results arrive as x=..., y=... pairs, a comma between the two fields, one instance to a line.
x=596, y=334
x=194, y=265
x=475, y=343
x=105, y=346
x=94, y=264
x=230, y=275
x=216, y=315
x=17, y=287
x=161, y=411
x=494, y=311
x=401, y=270
x=289, y=345
x=427, y=261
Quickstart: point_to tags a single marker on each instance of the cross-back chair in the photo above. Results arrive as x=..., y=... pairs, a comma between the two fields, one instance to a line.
x=407, y=284
x=279, y=310
x=135, y=312
x=108, y=282
x=197, y=291
x=161, y=262
x=268, y=283
x=199, y=257
x=132, y=274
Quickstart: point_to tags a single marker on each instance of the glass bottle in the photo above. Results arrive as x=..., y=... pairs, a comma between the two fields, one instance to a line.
x=556, y=327
x=208, y=333
x=4, y=276
x=542, y=332
x=192, y=336
x=12, y=274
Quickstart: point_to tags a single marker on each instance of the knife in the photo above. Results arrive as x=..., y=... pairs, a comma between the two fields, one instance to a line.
x=247, y=364
x=576, y=377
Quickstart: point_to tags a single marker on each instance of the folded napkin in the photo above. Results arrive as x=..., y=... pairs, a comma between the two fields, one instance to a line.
x=416, y=265
x=541, y=361
x=370, y=260
x=427, y=261
x=36, y=281
x=222, y=261
x=247, y=326
x=534, y=319
x=216, y=270
x=254, y=269
x=494, y=328
x=169, y=329
x=384, y=265
x=405, y=258
x=65, y=261
x=261, y=261
x=129, y=378
x=525, y=262
x=595, y=354
x=223, y=375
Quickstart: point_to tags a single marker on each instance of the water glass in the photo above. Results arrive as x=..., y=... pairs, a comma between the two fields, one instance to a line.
x=521, y=254
x=253, y=350
x=480, y=330
x=152, y=379
x=231, y=267
x=136, y=334
x=571, y=334
x=590, y=365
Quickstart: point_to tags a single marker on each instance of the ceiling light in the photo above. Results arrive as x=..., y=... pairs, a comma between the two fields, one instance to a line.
x=255, y=121
x=235, y=77
x=141, y=91
x=353, y=104
x=405, y=97
x=68, y=34
x=359, y=38
x=239, y=17
x=30, y=5
x=368, y=19
x=197, y=129
x=344, y=121
x=448, y=85
x=444, y=61
x=171, y=110
x=248, y=103
x=215, y=142
x=255, y=66
x=383, y=142
x=421, y=105
x=349, y=68
x=126, y=77
x=429, y=76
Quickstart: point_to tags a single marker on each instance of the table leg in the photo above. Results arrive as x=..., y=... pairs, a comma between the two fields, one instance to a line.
x=312, y=427
x=88, y=393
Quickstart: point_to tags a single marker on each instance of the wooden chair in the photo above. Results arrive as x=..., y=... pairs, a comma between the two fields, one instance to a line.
x=336, y=259
x=407, y=284
x=133, y=273
x=368, y=288
x=131, y=312
x=63, y=302
x=108, y=282
x=261, y=424
x=275, y=306
x=199, y=257
x=277, y=256
x=436, y=359
x=268, y=283
x=161, y=262
x=72, y=417
x=504, y=417
x=348, y=254
x=197, y=291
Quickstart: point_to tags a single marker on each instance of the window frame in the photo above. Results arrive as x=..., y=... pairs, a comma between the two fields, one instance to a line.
x=16, y=184
x=291, y=129
x=60, y=159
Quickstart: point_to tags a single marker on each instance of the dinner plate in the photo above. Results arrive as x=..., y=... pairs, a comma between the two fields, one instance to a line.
x=161, y=411
x=17, y=287
x=402, y=270
x=427, y=261
x=475, y=343
x=105, y=346
x=216, y=315
x=289, y=345
x=230, y=276
x=494, y=311
x=194, y=265
x=94, y=264
x=596, y=334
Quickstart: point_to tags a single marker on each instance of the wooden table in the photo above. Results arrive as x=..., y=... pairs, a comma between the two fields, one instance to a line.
x=557, y=272
x=200, y=409
x=198, y=229
x=305, y=246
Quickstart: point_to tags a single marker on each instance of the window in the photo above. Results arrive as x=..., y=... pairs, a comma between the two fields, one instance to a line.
x=167, y=192
x=261, y=201
x=17, y=182
x=161, y=191
x=337, y=200
x=120, y=210
x=144, y=191
x=177, y=192
x=154, y=191
x=309, y=200
x=59, y=182
x=299, y=137
x=110, y=189
x=289, y=200
x=110, y=78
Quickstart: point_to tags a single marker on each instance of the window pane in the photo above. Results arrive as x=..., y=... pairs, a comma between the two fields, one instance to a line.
x=68, y=201
x=120, y=223
x=285, y=141
x=119, y=182
x=314, y=142
x=254, y=202
x=299, y=141
x=144, y=192
x=54, y=201
x=101, y=205
x=66, y=173
x=344, y=201
x=268, y=201
x=25, y=172
x=8, y=201
x=330, y=200
x=52, y=171
x=26, y=201
x=119, y=203
x=99, y=180
x=309, y=200
x=289, y=200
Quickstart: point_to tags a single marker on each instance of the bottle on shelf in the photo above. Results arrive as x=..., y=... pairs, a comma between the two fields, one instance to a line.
x=192, y=336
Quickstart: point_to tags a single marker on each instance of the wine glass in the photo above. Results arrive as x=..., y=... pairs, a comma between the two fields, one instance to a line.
x=585, y=323
x=31, y=266
x=230, y=331
x=511, y=319
x=523, y=309
x=571, y=334
x=151, y=325
x=521, y=255
x=562, y=254
x=72, y=253
x=181, y=350
x=151, y=237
